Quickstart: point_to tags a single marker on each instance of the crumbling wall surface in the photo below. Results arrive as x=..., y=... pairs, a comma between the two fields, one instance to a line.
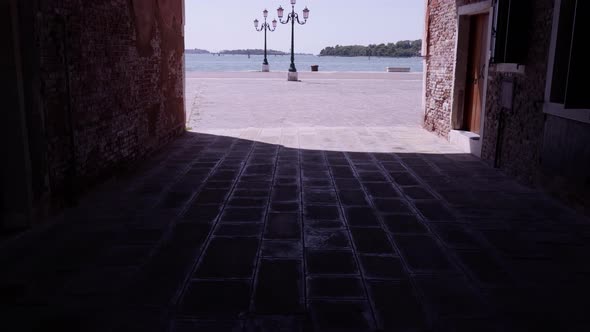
x=440, y=64
x=518, y=149
x=536, y=148
x=111, y=84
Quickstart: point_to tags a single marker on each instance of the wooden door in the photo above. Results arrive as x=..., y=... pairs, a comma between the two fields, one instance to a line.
x=15, y=176
x=476, y=65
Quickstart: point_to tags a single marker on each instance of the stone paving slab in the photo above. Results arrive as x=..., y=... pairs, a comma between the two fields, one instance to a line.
x=233, y=233
x=353, y=258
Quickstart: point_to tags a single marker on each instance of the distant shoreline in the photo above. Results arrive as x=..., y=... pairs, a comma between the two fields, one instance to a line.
x=370, y=56
x=316, y=55
x=281, y=75
x=303, y=62
x=241, y=52
x=401, y=49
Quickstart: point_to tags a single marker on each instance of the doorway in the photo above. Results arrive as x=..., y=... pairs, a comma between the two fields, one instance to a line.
x=476, y=66
x=474, y=26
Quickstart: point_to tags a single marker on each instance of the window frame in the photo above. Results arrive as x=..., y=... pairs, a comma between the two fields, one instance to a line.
x=504, y=31
x=556, y=109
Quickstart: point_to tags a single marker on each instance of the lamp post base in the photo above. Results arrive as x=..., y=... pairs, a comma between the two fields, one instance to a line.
x=265, y=68
x=292, y=76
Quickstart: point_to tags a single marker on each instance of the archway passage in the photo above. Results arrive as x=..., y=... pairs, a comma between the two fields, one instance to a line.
x=219, y=231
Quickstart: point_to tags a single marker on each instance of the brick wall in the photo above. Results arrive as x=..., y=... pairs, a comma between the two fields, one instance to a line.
x=536, y=148
x=111, y=76
x=440, y=62
x=521, y=142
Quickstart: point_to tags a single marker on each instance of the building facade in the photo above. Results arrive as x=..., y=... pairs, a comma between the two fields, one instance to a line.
x=503, y=79
x=92, y=87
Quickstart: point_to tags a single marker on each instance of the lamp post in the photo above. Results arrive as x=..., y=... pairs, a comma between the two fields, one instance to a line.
x=292, y=76
x=265, y=27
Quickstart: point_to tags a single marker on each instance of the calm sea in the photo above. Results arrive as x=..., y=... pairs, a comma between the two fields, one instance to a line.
x=208, y=62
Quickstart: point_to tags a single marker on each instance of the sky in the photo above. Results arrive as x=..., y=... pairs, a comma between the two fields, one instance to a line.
x=217, y=25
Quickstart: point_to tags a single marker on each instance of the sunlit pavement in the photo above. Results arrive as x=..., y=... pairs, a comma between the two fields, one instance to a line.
x=311, y=206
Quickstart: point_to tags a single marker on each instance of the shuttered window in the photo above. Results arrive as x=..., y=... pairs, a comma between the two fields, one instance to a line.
x=571, y=67
x=511, y=33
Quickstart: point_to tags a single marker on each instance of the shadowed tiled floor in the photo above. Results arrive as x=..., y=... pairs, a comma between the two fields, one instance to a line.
x=331, y=211
x=224, y=234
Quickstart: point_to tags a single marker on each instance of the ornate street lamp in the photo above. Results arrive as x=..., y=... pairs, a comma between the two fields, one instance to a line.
x=292, y=76
x=265, y=27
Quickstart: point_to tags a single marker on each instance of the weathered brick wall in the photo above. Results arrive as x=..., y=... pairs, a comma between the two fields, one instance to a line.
x=522, y=139
x=111, y=84
x=536, y=148
x=440, y=62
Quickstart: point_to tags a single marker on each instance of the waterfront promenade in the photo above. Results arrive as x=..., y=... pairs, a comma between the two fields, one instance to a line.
x=377, y=112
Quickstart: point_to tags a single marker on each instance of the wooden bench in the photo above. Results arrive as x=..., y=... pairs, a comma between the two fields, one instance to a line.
x=397, y=69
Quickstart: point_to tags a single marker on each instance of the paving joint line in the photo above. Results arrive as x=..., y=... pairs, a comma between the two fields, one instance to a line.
x=453, y=259
x=258, y=262
x=355, y=252
x=177, y=299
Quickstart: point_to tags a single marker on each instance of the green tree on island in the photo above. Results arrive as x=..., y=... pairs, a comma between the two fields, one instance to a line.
x=402, y=49
x=196, y=51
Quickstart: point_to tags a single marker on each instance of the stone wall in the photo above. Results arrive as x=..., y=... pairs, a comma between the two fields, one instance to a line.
x=535, y=147
x=111, y=79
x=521, y=142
